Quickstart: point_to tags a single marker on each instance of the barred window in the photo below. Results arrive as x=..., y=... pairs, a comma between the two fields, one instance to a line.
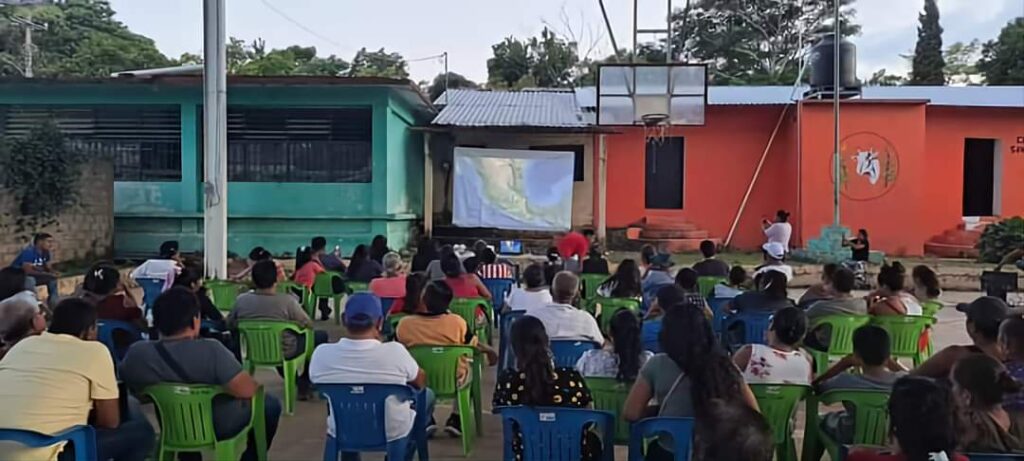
x=307, y=145
x=143, y=141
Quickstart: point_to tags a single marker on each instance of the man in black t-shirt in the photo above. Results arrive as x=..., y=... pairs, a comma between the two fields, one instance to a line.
x=710, y=266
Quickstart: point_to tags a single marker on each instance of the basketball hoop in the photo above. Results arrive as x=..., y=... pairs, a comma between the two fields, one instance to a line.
x=655, y=128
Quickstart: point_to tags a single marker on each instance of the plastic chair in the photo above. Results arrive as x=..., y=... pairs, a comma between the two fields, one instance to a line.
x=871, y=421
x=905, y=335
x=754, y=327
x=706, y=285
x=357, y=287
x=566, y=352
x=840, y=345
x=300, y=291
x=611, y=306
x=590, y=283
x=499, y=288
x=261, y=346
x=717, y=306
x=778, y=404
x=506, y=358
x=323, y=288
x=385, y=305
x=360, y=425
x=105, y=331
x=185, y=413
x=680, y=429
x=441, y=366
x=151, y=289
x=931, y=308
x=83, y=438
x=554, y=433
x=223, y=293
x=466, y=308
x=391, y=326
x=609, y=395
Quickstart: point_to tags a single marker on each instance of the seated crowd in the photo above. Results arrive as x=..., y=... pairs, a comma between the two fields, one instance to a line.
x=670, y=345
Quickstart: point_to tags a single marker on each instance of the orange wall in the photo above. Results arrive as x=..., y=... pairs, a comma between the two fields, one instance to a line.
x=720, y=159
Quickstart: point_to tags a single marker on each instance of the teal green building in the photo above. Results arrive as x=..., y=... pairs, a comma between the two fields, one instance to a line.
x=307, y=156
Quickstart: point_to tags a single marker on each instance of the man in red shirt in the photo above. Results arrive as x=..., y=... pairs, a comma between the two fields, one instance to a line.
x=573, y=244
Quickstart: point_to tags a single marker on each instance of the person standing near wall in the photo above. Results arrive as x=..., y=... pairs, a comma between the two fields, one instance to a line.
x=35, y=261
x=779, y=231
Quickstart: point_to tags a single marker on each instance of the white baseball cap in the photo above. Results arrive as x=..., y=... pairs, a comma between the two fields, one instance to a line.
x=775, y=250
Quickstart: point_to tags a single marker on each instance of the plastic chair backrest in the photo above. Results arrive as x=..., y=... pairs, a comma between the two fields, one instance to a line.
x=680, y=429
x=499, y=289
x=717, y=306
x=930, y=308
x=105, y=330
x=506, y=358
x=185, y=413
x=609, y=395
x=151, y=289
x=358, y=287
x=466, y=308
x=223, y=293
x=261, y=340
x=441, y=364
x=323, y=284
x=754, y=326
x=706, y=285
x=566, y=351
x=611, y=306
x=554, y=433
x=590, y=284
x=295, y=289
x=358, y=411
x=386, y=303
x=871, y=422
x=778, y=404
x=82, y=438
x=842, y=328
x=904, y=332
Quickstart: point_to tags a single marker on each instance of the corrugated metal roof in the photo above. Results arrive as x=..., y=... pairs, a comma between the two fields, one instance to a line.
x=476, y=108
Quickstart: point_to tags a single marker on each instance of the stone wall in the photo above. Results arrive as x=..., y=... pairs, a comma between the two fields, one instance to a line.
x=84, y=232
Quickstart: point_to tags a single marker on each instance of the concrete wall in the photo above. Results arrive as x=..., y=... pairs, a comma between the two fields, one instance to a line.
x=83, y=232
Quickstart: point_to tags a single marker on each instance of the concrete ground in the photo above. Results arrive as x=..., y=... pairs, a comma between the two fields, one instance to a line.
x=301, y=436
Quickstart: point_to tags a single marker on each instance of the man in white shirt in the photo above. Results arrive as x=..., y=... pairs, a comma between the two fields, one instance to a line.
x=774, y=254
x=561, y=319
x=780, y=231
x=360, y=358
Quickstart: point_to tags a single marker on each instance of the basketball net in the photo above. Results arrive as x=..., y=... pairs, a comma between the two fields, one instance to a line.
x=655, y=128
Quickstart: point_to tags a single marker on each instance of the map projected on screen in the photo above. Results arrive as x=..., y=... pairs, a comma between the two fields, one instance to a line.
x=513, y=189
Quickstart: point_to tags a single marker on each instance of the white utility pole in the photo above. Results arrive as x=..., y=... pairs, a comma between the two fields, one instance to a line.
x=215, y=145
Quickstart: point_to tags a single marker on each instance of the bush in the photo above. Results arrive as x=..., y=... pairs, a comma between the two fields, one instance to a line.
x=1001, y=238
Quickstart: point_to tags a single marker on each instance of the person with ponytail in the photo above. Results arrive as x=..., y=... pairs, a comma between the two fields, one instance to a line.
x=361, y=267
x=537, y=382
x=306, y=267
x=981, y=383
x=926, y=284
x=780, y=361
x=890, y=299
x=922, y=421
x=623, y=354
x=692, y=371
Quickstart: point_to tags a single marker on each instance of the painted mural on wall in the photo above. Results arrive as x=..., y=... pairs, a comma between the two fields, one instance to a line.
x=869, y=167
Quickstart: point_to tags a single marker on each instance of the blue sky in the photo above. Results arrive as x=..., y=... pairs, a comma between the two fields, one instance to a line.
x=466, y=29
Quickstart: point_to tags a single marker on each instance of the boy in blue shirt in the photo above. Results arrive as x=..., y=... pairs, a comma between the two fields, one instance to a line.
x=35, y=261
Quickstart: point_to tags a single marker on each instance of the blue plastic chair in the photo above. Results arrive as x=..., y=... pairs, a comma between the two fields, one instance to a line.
x=553, y=433
x=82, y=438
x=151, y=289
x=385, y=305
x=506, y=358
x=567, y=352
x=754, y=327
x=105, y=330
x=359, y=421
x=717, y=306
x=680, y=429
x=499, y=289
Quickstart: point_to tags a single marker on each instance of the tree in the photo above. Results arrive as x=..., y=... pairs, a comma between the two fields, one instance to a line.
x=961, y=62
x=378, y=63
x=510, y=64
x=1002, y=59
x=455, y=81
x=754, y=42
x=928, y=67
x=881, y=78
x=554, y=60
x=254, y=59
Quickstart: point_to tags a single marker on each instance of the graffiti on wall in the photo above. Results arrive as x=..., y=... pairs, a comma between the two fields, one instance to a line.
x=869, y=166
x=1018, y=148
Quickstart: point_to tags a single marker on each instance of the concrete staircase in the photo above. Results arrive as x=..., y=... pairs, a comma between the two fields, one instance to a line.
x=960, y=241
x=671, y=233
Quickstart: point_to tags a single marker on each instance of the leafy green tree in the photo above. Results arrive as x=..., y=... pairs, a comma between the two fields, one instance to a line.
x=378, y=63
x=1002, y=59
x=928, y=67
x=510, y=64
x=961, y=62
x=41, y=173
x=254, y=59
x=455, y=81
x=881, y=78
x=554, y=60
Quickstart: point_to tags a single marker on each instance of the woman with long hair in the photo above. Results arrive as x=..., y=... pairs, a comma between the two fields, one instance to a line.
x=771, y=295
x=411, y=302
x=537, y=382
x=623, y=354
x=361, y=268
x=307, y=267
x=981, y=384
x=692, y=370
x=890, y=299
x=781, y=361
x=426, y=251
x=379, y=248
x=926, y=284
x=625, y=283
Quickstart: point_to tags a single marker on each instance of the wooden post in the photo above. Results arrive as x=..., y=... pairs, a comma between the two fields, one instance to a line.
x=602, y=187
x=428, y=187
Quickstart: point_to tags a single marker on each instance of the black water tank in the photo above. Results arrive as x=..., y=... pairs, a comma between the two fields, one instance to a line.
x=822, y=64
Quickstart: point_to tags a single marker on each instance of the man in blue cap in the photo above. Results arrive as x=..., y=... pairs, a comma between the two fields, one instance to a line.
x=361, y=358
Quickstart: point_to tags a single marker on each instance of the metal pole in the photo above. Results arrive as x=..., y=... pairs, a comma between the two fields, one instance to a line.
x=28, y=46
x=215, y=210
x=668, y=41
x=836, y=37
x=446, y=77
x=636, y=25
x=608, y=25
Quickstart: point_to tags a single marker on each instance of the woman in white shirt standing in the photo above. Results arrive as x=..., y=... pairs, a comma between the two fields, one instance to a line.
x=535, y=294
x=780, y=361
x=779, y=231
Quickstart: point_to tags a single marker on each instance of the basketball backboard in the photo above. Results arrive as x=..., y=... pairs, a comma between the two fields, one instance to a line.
x=629, y=93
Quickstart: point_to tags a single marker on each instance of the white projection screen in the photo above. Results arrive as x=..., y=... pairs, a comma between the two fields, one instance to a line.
x=512, y=189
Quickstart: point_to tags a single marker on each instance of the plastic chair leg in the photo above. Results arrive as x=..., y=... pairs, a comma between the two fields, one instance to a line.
x=466, y=420
x=330, y=449
x=290, y=391
x=259, y=426
x=225, y=451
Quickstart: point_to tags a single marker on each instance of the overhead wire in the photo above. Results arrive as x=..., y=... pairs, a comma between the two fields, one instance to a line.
x=300, y=25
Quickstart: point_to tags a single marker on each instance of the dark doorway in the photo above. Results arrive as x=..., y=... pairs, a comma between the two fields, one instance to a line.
x=663, y=175
x=979, y=176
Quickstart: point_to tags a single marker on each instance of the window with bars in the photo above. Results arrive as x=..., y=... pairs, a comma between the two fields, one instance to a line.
x=305, y=145
x=143, y=141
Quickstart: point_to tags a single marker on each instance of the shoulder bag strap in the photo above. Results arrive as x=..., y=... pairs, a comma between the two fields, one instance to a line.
x=171, y=362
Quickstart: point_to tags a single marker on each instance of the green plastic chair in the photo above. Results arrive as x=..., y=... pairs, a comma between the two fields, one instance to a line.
x=357, y=287
x=441, y=363
x=223, y=293
x=590, y=283
x=186, y=422
x=609, y=395
x=393, y=321
x=931, y=308
x=870, y=427
x=261, y=347
x=905, y=335
x=611, y=306
x=291, y=288
x=466, y=308
x=706, y=285
x=840, y=339
x=323, y=288
x=778, y=404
